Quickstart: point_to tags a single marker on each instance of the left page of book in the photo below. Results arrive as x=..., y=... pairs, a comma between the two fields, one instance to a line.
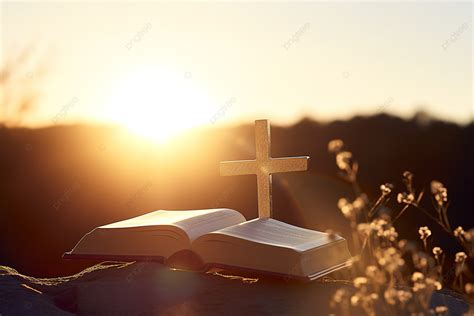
x=152, y=235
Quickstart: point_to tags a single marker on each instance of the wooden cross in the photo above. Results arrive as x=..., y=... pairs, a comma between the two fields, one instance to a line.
x=263, y=167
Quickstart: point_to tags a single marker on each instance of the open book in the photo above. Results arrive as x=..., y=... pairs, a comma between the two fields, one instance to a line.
x=217, y=238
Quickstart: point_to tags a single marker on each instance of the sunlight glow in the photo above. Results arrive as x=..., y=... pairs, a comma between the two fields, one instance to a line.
x=158, y=103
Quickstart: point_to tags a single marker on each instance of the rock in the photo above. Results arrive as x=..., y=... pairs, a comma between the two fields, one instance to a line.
x=147, y=287
x=153, y=289
x=19, y=296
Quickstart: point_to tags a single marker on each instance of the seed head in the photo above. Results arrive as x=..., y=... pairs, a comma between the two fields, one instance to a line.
x=346, y=208
x=379, y=224
x=360, y=282
x=407, y=198
x=439, y=192
x=335, y=145
x=460, y=257
x=339, y=296
x=390, y=259
x=343, y=160
x=436, y=186
x=459, y=231
x=371, y=271
x=433, y=283
x=419, y=286
x=420, y=260
x=355, y=300
x=386, y=188
x=437, y=251
x=404, y=296
x=417, y=277
x=441, y=310
x=359, y=203
x=424, y=232
x=408, y=175
x=390, y=234
x=390, y=295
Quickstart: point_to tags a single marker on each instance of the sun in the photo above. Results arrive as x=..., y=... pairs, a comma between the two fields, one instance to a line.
x=158, y=103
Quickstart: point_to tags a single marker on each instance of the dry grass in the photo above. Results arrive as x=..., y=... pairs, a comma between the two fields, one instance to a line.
x=393, y=275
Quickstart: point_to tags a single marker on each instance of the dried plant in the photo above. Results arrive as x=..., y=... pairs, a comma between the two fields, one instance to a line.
x=384, y=280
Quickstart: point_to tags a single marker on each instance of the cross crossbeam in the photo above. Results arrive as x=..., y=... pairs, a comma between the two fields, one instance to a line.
x=263, y=166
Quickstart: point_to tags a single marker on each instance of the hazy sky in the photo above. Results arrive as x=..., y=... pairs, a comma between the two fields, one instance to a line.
x=228, y=62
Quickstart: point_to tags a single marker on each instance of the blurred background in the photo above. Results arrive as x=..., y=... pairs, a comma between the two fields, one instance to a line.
x=113, y=110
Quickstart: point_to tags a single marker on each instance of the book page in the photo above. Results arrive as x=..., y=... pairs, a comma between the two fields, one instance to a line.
x=193, y=222
x=213, y=220
x=270, y=246
x=274, y=232
x=159, y=233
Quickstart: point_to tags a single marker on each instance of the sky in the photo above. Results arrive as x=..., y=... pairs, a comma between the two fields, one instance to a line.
x=142, y=64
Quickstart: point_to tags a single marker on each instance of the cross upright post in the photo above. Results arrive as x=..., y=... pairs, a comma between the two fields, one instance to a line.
x=263, y=166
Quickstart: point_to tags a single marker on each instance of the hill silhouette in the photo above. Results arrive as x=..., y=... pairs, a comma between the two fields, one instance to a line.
x=59, y=182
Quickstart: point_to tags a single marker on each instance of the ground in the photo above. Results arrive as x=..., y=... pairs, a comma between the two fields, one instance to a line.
x=148, y=288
